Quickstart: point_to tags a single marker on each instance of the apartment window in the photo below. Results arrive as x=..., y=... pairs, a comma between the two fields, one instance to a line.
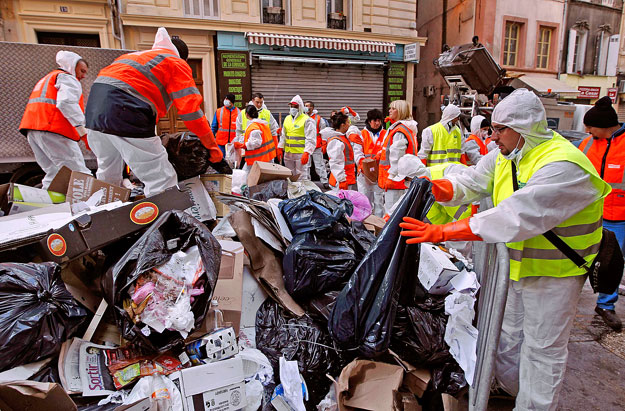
x=544, y=47
x=511, y=43
x=336, y=14
x=202, y=9
x=274, y=11
x=68, y=39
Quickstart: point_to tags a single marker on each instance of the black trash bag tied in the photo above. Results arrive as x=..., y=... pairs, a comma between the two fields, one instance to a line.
x=172, y=232
x=188, y=155
x=37, y=313
x=302, y=340
x=314, y=211
x=364, y=312
x=449, y=379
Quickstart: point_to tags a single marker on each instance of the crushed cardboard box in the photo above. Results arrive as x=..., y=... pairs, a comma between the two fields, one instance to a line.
x=34, y=395
x=374, y=223
x=215, y=184
x=79, y=187
x=262, y=172
x=436, y=269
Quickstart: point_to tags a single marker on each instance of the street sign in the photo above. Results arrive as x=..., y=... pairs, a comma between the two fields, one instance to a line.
x=412, y=52
x=588, y=92
x=612, y=91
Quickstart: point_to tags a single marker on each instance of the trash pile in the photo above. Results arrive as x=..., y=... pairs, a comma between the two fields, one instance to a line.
x=219, y=295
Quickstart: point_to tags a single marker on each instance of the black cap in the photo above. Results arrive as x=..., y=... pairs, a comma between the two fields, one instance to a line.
x=602, y=114
x=181, y=46
x=230, y=97
x=485, y=122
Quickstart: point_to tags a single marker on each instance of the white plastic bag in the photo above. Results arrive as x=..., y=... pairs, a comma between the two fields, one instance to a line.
x=292, y=384
x=161, y=390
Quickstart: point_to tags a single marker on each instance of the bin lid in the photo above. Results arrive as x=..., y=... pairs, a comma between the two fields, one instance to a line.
x=544, y=84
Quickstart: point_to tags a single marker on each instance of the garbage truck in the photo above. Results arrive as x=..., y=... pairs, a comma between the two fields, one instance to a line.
x=21, y=68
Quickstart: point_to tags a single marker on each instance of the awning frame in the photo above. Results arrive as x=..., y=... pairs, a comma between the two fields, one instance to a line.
x=272, y=39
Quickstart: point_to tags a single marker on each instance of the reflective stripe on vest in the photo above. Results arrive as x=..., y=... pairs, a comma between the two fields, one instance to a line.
x=613, y=171
x=266, y=151
x=350, y=165
x=226, y=135
x=582, y=232
x=41, y=112
x=370, y=148
x=384, y=165
x=446, y=147
x=295, y=140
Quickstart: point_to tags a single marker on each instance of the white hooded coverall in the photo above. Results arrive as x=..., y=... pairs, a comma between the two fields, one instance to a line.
x=371, y=189
x=540, y=309
x=397, y=151
x=336, y=155
x=53, y=151
x=293, y=160
x=254, y=141
x=427, y=138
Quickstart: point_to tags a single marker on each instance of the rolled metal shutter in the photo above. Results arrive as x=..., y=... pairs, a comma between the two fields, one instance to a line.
x=621, y=110
x=330, y=87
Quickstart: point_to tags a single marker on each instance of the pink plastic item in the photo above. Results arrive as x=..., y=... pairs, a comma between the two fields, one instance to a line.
x=362, y=206
x=142, y=292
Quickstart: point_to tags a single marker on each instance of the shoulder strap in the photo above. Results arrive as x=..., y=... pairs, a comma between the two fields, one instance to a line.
x=550, y=235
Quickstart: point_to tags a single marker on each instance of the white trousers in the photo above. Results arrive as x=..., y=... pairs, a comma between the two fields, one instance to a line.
x=533, y=346
x=294, y=163
x=320, y=165
x=373, y=192
x=53, y=151
x=146, y=157
x=390, y=198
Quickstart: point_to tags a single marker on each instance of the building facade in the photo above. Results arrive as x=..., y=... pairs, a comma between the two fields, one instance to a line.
x=333, y=52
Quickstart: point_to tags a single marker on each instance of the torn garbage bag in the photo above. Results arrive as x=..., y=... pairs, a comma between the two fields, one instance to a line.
x=186, y=153
x=270, y=189
x=141, y=285
x=363, y=315
x=298, y=339
x=37, y=313
x=314, y=211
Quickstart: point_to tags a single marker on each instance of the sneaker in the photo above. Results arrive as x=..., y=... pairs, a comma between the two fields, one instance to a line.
x=610, y=318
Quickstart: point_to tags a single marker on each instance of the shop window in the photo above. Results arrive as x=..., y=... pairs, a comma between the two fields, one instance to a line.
x=202, y=9
x=544, y=47
x=576, y=51
x=275, y=11
x=337, y=18
x=68, y=39
x=511, y=43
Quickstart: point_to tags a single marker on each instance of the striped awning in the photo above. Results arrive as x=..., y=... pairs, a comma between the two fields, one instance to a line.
x=271, y=39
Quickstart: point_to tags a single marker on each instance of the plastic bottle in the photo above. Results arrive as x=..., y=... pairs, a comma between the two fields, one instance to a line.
x=219, y=316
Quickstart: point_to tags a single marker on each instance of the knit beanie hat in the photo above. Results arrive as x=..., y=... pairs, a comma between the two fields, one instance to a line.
x=602, y=114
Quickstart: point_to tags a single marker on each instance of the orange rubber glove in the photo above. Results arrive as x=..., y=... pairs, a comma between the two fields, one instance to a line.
x=305, y=158
x=279, y=153
x=215, y=155
x=442, y=189
x=348, y=110
x=436, y=233
x=239, y=145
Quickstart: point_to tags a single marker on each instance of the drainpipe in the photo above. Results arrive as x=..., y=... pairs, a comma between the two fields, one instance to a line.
x=116, y=5
x=444, y=31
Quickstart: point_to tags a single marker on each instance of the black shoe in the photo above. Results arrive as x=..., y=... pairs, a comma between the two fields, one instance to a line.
x=610, y=318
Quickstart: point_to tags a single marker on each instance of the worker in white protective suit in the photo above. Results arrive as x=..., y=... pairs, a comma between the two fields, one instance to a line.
x=341, y=154
x=258, y=100
x=400, y=140
x=442, y=142
x=298, y=139
x=478, y=143
x=559, y=190
x=258, y=142
x=54, y=118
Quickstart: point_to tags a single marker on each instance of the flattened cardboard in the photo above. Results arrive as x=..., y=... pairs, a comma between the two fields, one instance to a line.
x=80, y=186
x=34, y=395
x=215, y=184
x=374, y=223
x=203, y=208
x=88, y=233
x=262, y=172
x=416, y=380
x=229, y=288
x=369, y=385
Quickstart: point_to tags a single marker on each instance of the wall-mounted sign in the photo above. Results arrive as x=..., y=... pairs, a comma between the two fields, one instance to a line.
x=412, y=52
x=394, y=83
x=612, y=92
x=233, y=76
x=588, y=92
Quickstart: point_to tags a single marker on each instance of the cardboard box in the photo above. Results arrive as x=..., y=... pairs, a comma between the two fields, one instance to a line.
x=215, y=184
x=79, y=187
x=18, y=198
x=374, y=223
x=436, y=269
x=229, y=288
x=262, y=172
x=217, y=386
x=369, y=385
x=88, y=233
x=34, y=395
x=203, y=205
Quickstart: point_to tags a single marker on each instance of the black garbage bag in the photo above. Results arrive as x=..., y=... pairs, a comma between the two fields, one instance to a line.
x=49, y=373
x=298, y=339
x=419, y=336
x=314, y=263
x=364, y=312
x=189, y=156
x=270, y=189
x=172, y=232
x=320, y=306
x=449, y=379
x=362, y=238
x=37, y=313
x=314, y=211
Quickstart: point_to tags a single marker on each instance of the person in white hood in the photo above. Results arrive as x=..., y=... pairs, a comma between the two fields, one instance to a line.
x=258, y=142
x=258, y=101
x=298, y=139
x=539, y=182
x=54, y=118
x=477, y=143
x=442, y=142
x=400, y=140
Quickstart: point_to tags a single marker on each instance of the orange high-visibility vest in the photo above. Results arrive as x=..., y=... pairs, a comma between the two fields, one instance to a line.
x=608, y=157
x=385, y=164
x=267, y=150
x=317, y=119
x=350, y=165
x=227, y=126
x=464, y=159
x=41, y=112
x=159, y=77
